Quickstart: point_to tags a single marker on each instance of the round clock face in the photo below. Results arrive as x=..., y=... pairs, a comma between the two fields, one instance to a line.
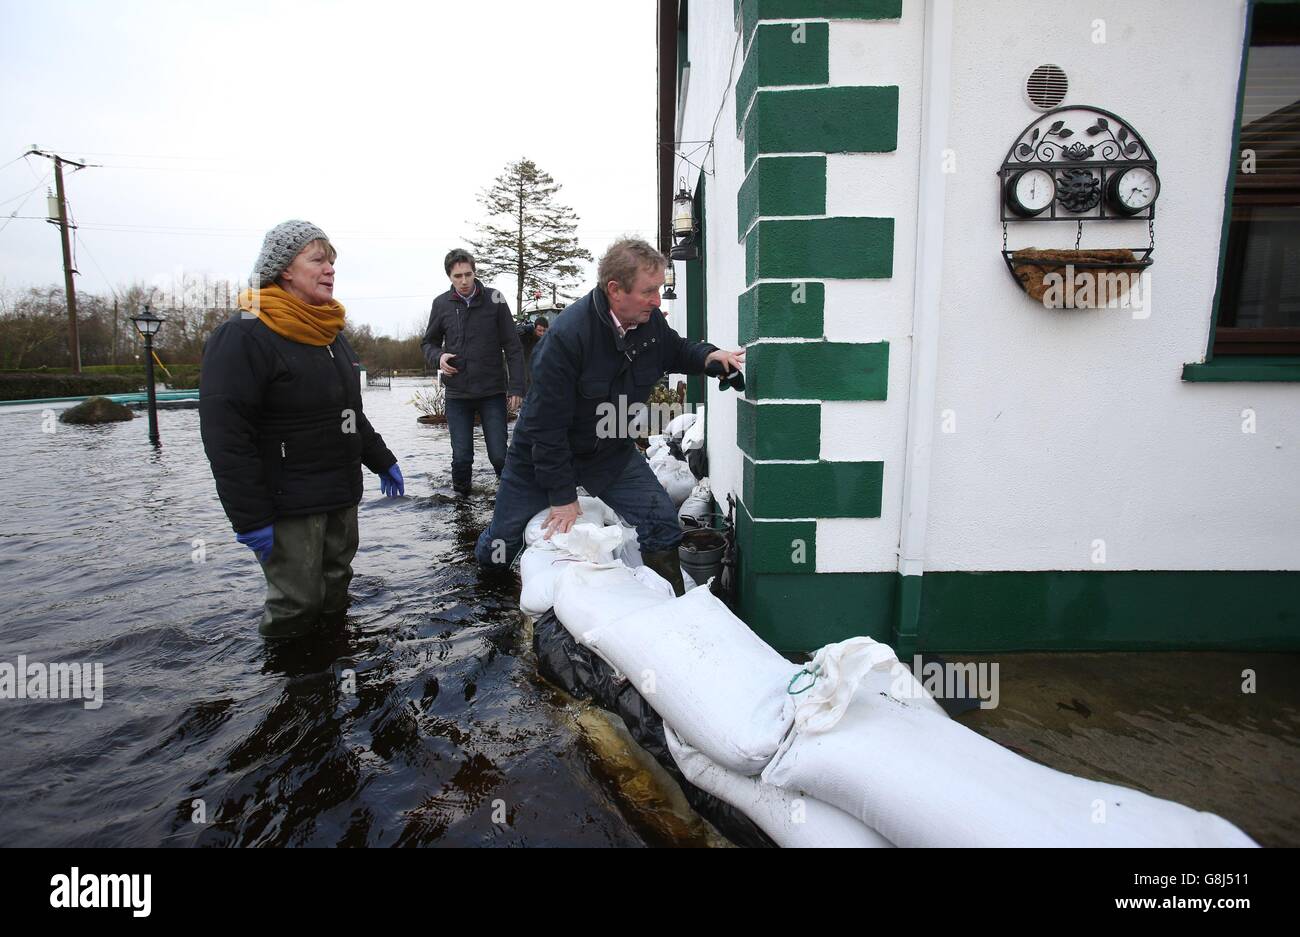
x=1034, y=190
x=1135, y=189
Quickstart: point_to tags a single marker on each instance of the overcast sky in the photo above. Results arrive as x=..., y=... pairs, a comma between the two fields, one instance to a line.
x=379, y=121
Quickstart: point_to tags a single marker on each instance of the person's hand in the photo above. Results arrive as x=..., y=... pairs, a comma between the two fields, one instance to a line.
x=444, y=364
x=391, y=483
x=731, y=360
x=514, y=402
x=259, y=541
x=560, y=520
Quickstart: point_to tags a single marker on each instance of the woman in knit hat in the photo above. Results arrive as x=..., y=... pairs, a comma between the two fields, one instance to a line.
x=283, y=428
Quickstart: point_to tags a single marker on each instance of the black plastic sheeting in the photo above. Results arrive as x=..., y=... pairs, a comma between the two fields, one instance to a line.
x=573, y=668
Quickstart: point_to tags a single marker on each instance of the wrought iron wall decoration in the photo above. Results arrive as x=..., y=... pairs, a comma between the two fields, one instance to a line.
x=1075, y=164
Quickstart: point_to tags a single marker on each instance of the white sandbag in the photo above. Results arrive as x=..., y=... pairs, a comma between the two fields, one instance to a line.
x=921, y=779
x=594, y=512
x=679, y=425
x=693, y=438
x=701, y=668
x=839, y=671
x=676, y=478
x=540, y=568
x=589, y=596
x=630, y=554
x=792, y=821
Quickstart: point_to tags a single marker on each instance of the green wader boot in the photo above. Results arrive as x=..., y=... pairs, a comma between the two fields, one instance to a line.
x=668, y=565
x=308, y=573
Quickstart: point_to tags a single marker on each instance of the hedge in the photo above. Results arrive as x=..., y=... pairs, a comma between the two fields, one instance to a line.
x=101, y=379
x=29, y=386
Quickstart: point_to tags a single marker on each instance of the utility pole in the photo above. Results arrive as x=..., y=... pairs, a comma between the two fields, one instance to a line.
x=70, y=289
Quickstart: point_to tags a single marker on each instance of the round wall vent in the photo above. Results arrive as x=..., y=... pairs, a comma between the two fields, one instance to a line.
x=1047, y=86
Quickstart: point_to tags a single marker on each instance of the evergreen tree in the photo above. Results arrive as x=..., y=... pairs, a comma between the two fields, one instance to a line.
x=528, y=235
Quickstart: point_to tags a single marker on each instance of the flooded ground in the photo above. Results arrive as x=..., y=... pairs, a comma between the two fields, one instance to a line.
x=450, y=738
x=1174, y=725
x=112, y=553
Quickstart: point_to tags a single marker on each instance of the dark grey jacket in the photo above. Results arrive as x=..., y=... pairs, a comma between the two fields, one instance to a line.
x=581, y=367
x=479, y=332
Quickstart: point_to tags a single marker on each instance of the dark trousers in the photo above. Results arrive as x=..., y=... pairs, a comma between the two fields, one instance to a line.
x=308, y=573
x=636, y=495
x=460, y=422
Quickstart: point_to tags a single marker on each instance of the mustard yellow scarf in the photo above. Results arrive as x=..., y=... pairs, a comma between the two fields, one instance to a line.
x=287, y=315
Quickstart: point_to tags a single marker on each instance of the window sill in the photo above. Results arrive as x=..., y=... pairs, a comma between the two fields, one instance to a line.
x=1245, y=368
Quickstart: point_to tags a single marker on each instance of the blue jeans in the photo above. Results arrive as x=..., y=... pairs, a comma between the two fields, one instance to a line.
x=460, y=421
x=636, y=495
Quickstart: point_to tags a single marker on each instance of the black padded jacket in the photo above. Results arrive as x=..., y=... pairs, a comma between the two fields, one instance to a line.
x=282, y=424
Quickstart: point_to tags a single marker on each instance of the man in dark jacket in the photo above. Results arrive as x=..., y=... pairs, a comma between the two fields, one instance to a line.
x=469, y=329
x=530, y=333
x=601, y=357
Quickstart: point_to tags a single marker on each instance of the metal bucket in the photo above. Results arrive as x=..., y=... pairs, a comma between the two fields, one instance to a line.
x=701, y=553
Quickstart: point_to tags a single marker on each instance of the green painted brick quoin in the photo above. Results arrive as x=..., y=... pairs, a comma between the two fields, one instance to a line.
x=781, y=185
x=813, y=489
x=804, y=612
x=775, y=546
x=820, y=248
x=779, y=430
x=752, y=11
x=781, y=310
x=817, y=371
x=783, y=54
x=849, y=119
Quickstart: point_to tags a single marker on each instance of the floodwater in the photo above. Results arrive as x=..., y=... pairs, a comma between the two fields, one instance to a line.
x=115, y=554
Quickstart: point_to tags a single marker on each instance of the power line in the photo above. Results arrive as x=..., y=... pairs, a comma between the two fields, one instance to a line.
x=23, y=205
x=24, y=195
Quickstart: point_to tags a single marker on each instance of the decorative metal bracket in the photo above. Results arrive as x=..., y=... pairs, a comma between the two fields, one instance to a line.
x=1084, y=149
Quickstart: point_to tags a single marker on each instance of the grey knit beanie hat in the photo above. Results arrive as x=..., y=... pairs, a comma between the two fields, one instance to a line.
x=281, y=245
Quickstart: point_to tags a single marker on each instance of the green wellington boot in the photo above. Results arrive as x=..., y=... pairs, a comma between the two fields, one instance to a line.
x=667, y=564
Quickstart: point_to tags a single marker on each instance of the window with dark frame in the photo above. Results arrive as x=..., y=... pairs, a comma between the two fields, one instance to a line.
x=1259, y=308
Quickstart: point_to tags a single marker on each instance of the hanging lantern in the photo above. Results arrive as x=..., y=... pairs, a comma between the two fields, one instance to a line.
x=684, y=228
x=683, y=212
x=670, y=281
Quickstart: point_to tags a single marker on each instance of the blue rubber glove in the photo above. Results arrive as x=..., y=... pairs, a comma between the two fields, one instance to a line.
x=259, y=541
x=391, y=483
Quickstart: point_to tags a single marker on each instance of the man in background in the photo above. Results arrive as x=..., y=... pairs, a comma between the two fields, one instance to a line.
x=469, y=341
x=529, y=336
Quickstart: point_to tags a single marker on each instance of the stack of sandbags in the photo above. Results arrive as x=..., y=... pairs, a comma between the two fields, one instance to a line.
x=902, y=768
x=674, y=474
x=702, y=670
x=724, y=695
x=589, y=596
x=693, y=434
x=793, y=822
x=599, y=536
x=678, y=425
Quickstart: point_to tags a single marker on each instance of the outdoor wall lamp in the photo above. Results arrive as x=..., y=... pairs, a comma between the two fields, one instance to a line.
x=684, y=227
x=670, y=281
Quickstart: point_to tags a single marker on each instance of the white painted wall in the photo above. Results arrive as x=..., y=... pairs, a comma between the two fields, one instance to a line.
x=1074, y=426
x=878, y=185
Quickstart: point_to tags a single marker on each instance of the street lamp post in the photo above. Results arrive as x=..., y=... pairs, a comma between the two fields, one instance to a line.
x=148, y=325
